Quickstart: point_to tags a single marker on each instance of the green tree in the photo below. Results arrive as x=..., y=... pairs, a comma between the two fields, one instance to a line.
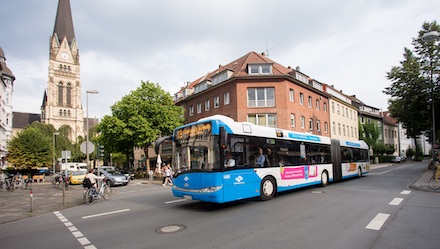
x=414, y=84
x=30, y=148
x=369, y=133
x=138, y=119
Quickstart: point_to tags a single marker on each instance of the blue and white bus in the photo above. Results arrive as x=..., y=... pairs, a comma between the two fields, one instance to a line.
x=291, y=160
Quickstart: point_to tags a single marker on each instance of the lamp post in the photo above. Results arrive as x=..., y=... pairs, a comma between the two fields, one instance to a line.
x=431, y=37
x=87, y=124
x=53, y=153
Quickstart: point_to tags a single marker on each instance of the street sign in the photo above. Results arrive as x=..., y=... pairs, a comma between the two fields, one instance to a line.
x=90, y=147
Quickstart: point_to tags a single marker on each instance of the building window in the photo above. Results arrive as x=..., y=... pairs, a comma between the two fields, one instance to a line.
x=267, y=119
x=291, y=95
x=325, y=106
x=261, y=97
x=310, y=101
x=325, y=127
x=318, y=125
x=216, y=101
x=260, y=69
x=343, y=130
x=60, y=113
x=60, y=93
x=334, y=128
x=333, y=107
x=69, y=94
x=303, y=122
x=317, y=104
x=292, y=120
x=301, y=98
x=199, y=107
x=339, y=129
x=207, y=105
x=226, y=99
x=191, y=110
x=311, y=124
x=339, y=112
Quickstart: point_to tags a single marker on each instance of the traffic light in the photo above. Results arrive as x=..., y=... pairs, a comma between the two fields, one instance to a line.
x=101, y=150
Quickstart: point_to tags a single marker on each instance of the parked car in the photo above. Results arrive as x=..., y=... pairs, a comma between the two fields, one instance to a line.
x=128, y=173
x=398, y=159
x=114, y=177
x=77, y=177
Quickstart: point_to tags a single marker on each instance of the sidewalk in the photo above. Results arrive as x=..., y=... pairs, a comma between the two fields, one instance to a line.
x=46, y=198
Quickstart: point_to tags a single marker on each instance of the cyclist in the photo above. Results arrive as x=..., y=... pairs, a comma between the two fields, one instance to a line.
x=92, y=177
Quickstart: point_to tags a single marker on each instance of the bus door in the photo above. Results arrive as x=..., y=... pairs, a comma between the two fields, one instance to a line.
x=336, y=160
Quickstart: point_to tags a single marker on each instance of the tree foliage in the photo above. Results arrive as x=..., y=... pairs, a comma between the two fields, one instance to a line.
x=139, y=118
x=30, y=148
x=415, y=84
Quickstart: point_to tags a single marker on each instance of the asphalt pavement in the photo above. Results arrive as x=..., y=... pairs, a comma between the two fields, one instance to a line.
x=45, y=198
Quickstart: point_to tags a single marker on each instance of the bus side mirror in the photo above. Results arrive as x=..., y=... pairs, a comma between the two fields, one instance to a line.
x=223, y=138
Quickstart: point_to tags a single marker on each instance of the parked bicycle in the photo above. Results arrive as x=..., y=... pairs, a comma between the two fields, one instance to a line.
x=60, y=180
x=8, y=184
x=90, y=193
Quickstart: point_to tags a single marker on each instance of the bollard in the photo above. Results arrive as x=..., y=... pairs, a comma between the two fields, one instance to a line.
x=64, y=195
x=31, y=196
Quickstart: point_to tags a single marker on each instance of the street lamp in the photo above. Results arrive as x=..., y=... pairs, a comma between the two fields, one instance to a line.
x=87, y=124
x=428, y=37
x=53, y=153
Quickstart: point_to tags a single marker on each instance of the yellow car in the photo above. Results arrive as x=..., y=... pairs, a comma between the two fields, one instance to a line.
x=77, y=177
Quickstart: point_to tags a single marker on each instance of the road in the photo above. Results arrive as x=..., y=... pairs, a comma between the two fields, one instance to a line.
x=375, y=211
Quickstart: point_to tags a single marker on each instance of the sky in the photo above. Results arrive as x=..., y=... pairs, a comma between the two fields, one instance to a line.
x=350, y=44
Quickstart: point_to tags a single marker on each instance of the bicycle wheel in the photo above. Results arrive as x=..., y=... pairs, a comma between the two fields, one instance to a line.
x=88, y=195
x=106, y=192
x=434, y=183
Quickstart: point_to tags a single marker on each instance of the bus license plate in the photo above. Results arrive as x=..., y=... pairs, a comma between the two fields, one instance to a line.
x=187, y=197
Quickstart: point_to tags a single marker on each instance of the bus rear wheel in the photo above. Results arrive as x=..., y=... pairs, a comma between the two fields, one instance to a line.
x=267, y=188
x=360, y=172
x=324, y=178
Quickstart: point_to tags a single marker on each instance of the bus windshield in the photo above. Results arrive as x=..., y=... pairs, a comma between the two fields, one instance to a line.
x=196, y=149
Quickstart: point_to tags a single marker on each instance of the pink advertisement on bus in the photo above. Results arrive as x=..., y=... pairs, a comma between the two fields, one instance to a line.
x=303, y=172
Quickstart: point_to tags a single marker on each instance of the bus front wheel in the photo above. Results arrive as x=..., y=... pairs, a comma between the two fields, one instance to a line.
x=267, y=188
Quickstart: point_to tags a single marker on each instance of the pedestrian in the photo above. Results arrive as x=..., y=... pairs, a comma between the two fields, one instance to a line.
x=167, y=176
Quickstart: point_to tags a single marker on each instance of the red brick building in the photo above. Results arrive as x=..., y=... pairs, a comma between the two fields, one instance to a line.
x=255, y=89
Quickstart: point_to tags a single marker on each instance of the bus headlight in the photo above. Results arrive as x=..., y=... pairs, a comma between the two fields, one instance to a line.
x=210, y=189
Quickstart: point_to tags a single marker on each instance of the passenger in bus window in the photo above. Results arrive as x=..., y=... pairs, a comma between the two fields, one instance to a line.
x=269, y=158
x=260, y=158
x=230, y=161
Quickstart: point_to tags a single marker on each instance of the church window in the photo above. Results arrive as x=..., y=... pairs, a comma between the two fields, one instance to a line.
x=65, y=68
x=64, y=113
x=68, y=68
x=69, y=94
x=60, y=93
x=61, y=112
x=61, y=67
x=68, y=113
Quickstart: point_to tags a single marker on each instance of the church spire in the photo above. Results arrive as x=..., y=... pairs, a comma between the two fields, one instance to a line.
x=63, y=22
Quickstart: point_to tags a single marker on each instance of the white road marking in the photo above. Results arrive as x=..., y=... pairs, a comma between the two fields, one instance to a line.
x=75, y=232
x=405, y=192
x=396, y=202
x=171, y=202
x=107, y=213
x=377, y=222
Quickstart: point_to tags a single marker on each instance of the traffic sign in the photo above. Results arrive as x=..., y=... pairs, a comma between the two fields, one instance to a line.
x=90, y=147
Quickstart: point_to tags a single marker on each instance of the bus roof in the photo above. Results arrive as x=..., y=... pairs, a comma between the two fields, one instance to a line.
x=249, y=129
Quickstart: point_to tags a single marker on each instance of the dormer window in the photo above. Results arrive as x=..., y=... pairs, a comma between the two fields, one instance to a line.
x=202, y=86
x=260, y=68
x=222, y=76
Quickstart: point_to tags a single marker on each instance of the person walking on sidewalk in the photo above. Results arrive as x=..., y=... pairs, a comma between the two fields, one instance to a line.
x=167, y=176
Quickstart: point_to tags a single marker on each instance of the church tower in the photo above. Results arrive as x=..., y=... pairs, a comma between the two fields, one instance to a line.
x=62, y=106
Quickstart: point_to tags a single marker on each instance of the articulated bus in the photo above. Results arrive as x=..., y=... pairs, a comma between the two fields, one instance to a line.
x=291, y=160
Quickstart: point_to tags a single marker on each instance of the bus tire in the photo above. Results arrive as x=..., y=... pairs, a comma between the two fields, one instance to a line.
x=267, y=188
x=360, y=172
x=324, y=178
